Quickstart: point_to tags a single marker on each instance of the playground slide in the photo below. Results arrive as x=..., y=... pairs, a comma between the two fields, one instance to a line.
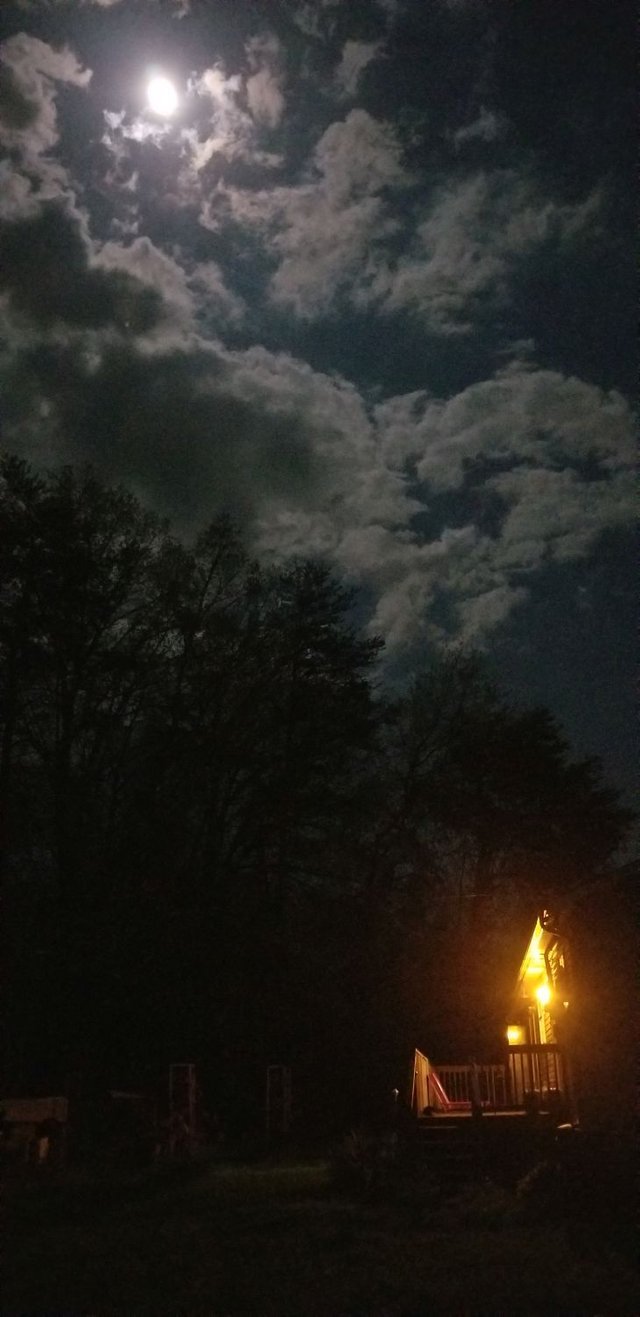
x=437, y=1090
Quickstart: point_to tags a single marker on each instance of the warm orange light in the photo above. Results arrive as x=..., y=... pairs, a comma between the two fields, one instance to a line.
x=514, y=1034
x=543, y=993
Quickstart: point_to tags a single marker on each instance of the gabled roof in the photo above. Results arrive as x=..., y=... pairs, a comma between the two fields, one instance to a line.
x=534, y=965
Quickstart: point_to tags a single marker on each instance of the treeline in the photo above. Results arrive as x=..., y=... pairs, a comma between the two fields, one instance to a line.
x=224, y=840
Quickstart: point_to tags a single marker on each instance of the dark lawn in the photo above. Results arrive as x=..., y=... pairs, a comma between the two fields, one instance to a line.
x=279, y=1240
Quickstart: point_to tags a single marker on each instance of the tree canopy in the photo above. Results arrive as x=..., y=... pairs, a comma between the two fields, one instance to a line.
x=221, y=834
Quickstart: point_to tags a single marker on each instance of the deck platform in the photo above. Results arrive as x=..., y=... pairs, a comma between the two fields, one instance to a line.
x=464, y=1147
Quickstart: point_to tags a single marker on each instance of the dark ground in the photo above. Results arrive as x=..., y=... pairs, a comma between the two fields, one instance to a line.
x=215, y=1239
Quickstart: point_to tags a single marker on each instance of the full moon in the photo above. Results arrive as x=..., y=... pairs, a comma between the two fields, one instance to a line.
x=162, y=97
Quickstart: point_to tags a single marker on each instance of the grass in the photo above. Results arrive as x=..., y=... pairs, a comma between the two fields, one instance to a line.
x=180, y=1241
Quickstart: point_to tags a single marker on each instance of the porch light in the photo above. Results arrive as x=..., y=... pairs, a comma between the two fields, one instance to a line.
x=514, y=1034
x=543, y=993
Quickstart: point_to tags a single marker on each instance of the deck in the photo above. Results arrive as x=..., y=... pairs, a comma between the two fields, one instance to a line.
x=532, y=1079
x=488, y=1121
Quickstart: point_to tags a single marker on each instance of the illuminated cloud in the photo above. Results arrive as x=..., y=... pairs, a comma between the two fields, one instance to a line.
x=142, y=261
x=321, y=231
x=179, y=302
x=229, y=132
x=356, y=56
x=466, y=248
x=30, y=70
x=488, y=127
x=264, y=87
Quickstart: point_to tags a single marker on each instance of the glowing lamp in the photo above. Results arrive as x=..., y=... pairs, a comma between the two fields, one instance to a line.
x=543, y=993
x=514, y=1034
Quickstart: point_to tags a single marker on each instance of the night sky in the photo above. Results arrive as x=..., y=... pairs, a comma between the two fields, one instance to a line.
x=370, y=288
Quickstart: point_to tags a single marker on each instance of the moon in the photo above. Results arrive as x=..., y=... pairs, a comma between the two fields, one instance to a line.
x=162, y=97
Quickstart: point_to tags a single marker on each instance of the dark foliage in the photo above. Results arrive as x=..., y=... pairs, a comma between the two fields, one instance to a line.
x=221, y=840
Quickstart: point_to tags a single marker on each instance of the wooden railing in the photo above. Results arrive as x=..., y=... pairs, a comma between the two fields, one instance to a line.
x=537, y=1074
x=485, y=1085
x=457, y=1087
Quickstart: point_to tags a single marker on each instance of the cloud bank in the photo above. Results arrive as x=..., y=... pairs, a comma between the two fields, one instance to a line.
x=144, y=342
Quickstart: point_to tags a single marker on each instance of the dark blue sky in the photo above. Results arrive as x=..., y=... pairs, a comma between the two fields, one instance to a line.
x=370, y=288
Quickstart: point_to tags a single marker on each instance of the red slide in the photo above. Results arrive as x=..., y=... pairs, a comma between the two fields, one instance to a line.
x=434, y=1083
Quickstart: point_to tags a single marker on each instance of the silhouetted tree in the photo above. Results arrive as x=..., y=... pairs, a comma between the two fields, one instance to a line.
x=488, y=818
x=78, y=642
x=222, y=837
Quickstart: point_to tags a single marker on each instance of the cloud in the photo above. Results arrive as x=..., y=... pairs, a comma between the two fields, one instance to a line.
x=317, y=19
x=556, y=453
x=358, y=156
x=54, y=274
x=230, y=132
x=169, y=165
x=345, y=230
x=213, y=298
x=519, y=415
x=19, y=199
x=29, y=72
x=228, y=126
x=141, y=260
x=488, y=127
x=304, y=464
x=194, y=428
x=328, y=227
x=31, y=5
x=264, y=86
x=47, y=275
x=181, y=8
x=356, y=56
x=406, y=576
x=442, y=508
x=556, y=514
x=480, y=614
x=265, y=98
x=464, y=250
x=109, y=361
x=321, y=231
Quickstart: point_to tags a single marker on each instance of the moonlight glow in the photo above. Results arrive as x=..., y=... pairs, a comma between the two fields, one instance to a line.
x=162, y=97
